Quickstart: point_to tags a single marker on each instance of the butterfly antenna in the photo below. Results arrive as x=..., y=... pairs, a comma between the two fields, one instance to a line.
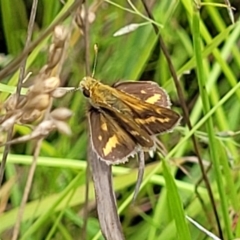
x=95, y=59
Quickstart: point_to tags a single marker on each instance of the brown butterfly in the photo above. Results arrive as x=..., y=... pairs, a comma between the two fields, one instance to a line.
x=125, y=118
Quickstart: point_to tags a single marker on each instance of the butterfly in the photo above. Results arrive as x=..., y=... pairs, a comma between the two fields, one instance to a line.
x=125, y=118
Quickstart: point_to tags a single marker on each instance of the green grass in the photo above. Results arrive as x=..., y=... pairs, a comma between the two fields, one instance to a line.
x=205, y=53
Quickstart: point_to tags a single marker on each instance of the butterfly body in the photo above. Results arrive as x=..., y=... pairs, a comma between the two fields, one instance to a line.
x=124, y=118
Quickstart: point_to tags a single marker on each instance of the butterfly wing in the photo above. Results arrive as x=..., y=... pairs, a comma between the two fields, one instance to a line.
x=147, y=91
x=137, y=133
x=149, y=104
x=111, y=142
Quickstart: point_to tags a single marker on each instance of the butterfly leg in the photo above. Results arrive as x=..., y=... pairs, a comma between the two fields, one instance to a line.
x=141, y=166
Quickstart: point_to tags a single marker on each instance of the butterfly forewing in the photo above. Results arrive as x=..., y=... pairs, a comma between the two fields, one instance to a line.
x=112, y=143
x=153, y=117
x=146, y=91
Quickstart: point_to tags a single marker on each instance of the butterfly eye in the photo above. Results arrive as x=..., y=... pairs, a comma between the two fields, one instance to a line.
x=86, y=93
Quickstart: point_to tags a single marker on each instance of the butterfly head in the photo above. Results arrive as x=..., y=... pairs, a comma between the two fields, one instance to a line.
x=86, y=86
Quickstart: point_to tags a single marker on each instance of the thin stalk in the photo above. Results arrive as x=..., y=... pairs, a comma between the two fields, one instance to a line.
x=209, y=123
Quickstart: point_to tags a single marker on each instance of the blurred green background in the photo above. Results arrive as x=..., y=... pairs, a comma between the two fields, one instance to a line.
x=55, y=206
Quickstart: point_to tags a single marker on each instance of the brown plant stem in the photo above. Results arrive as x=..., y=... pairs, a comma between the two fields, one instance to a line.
x=20, y=79
x=102, y=175
x=26, y=190
x=106, y=203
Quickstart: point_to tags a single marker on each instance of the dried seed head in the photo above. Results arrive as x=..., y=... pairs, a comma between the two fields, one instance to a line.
x=91, y=15
x=30, y=116
x=2, y=139
x=22, y=99
x=40, y=102
x=36, y=88
x=2, y=118
x=11, y=102
x=8, y=123
x=44, y=128
x=61, y=114
x=55, y=55
x=63, y=127
x=14, y=102
x=58, y=93
x=59, y=36
x=44, y=72
x=50, y=84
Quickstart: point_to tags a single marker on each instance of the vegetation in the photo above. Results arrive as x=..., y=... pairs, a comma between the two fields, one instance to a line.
x=203, y=43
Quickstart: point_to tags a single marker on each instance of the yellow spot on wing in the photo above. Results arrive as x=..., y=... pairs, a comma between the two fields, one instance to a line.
x=111, y=143
x=153, y=99
x=104, y=127
x=100, y=138
x=134, y=133
x=151, y=119
x=143, y=91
